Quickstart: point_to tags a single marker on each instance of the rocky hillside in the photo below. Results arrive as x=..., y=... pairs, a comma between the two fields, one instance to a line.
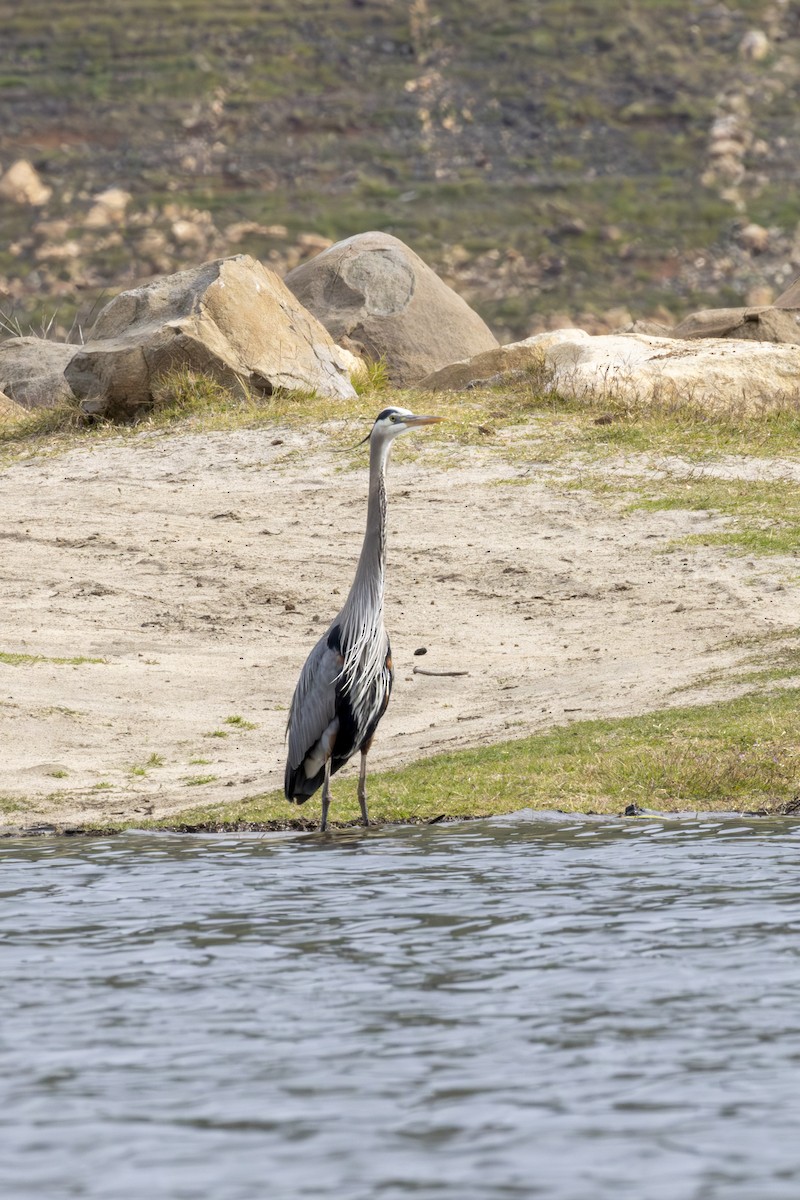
x=550, y=158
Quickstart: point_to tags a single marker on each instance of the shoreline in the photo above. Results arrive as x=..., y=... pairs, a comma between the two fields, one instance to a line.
x=161, y=592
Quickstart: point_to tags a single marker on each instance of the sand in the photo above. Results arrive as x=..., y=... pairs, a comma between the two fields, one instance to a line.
x=201, y=568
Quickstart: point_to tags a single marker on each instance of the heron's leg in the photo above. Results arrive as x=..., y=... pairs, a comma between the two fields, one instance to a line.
x=326, y=797
x=362, y=786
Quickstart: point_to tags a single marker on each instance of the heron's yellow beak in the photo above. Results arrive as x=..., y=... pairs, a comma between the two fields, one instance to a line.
x=412, y=420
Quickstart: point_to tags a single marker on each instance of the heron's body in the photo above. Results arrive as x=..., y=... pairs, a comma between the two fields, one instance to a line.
x=345, y=684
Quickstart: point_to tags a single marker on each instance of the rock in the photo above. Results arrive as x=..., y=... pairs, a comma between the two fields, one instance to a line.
x=791, y=297
x=32, y=371
x=187, y=233
x=754, y=46
x=22, y=184
x=727, y=125
x=754, y=238
x=711, y=372
x=239, y=230
x=108, y=208
x=647, y=326
x=58, y=251
x=378, y=294
x=766, y=324
x=10, y=411
x=727, y=148
x=490, y=366
x=55, y=230
x=231, y=319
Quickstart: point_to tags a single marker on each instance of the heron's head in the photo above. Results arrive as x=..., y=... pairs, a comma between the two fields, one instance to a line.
x=394, y=421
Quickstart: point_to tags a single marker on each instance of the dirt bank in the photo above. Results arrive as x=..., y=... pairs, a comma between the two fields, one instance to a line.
x=201, y=568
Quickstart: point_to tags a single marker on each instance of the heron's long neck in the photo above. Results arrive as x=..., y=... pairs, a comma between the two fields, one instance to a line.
x=364, y=604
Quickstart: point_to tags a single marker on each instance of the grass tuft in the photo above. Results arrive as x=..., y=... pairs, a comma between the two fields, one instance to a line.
x=239, y=722
x=11, y=659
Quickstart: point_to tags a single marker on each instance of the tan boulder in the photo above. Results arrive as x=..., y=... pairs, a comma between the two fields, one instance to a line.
x=759, y=324
x=754, y=238
x=108, y=208
x=375, y=295
x=231, y=319
x=22, y=184
x=712, y=372
x=32, y=371
x=490, y=366
x=755, y=46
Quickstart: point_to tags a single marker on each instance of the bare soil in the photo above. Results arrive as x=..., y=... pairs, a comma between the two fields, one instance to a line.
x=200, y=568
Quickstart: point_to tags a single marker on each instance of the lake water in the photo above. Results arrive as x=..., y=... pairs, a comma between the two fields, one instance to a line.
x=577, y=1009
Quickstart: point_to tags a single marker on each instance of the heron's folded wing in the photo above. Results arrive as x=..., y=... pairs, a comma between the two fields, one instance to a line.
x=314, y=701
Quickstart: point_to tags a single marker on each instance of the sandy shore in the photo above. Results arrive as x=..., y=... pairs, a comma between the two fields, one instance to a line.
x=201, y=568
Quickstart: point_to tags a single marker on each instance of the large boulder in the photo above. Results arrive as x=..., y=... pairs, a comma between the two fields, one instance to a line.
x=376, y=296
x=714, y=373
x=492, y=366
x=32, y=371
x=231, y=319
x=763, y=324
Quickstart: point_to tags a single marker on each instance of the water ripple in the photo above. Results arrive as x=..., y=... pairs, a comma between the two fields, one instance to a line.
x=532, y=1006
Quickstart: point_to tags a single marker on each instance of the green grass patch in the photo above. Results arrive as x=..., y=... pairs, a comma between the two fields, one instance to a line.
x=141, y=769
x=239, y=722
x=743, y=754
x=12, y=804
x=11, y=659
x=765, y=516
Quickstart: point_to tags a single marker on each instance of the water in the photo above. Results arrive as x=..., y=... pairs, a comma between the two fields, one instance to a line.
x=577, y=1009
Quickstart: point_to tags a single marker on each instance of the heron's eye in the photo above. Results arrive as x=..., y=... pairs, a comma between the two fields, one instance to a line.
x=393, y=418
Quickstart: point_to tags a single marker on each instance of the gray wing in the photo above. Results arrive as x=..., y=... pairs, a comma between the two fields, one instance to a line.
x=313, y=703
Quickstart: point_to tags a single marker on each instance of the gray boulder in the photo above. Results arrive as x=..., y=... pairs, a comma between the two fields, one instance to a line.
x=231, y=319
x=377, y=297
x=32, y=371
x=791, y=297
x=769, y=323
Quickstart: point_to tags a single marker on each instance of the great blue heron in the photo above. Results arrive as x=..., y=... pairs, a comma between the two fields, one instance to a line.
x=344, y=686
